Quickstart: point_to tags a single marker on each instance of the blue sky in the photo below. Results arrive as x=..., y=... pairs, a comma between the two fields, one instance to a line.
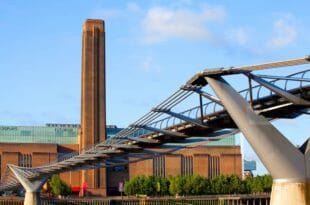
x=152, y=47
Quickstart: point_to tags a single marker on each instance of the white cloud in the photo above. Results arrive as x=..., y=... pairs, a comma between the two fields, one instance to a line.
x=286, y=34
x=161, y=23
x=238, y=35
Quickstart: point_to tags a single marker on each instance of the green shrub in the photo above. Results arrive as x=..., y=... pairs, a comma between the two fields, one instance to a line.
x=58, y=187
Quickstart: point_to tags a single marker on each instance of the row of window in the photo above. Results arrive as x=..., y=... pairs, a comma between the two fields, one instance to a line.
x=159, y=166
x=54, y=134
x=186, y=165
x=25, y=160
x=38, y=139
x=38, y=131
x=214, y=166
x=29, y=134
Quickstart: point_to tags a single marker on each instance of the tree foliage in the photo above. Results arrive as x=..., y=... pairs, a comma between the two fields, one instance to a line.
x=259, y=184
x=58, y=187
x=151, y=185
x=196, y=185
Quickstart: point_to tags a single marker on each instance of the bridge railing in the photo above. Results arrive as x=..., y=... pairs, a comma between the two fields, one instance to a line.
x=258, y=92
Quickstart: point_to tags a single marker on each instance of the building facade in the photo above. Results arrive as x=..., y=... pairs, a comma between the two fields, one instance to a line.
x=209, y=160
x=31, y=146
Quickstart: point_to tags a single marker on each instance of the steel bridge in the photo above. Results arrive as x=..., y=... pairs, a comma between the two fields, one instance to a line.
x=216, y=110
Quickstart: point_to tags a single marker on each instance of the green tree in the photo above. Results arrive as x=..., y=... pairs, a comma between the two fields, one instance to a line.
x=260, y=184
x=175, y=185
x=267, y=183
x=234, y=184
x=164, y=185
x=186, y=185
x=58, y=187
x=149, y=186
x=129, y=188
x=245, y=187
x=203, y=185
x=218, y=185
x=197, y=185
x=138, y=184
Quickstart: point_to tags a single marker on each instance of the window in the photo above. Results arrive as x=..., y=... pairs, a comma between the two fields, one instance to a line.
x=214, y=166
x=159, y=166
x=25, y=160
x=187, y=165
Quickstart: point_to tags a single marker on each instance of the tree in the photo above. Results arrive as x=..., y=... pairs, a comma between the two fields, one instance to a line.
x=219, y=185
x=149, y=186
x=164, y=185
x=267, y=183
x=234, y=184
x=58, y=187
x=259, y=184
x=197, y=185
x=175, y=185
x=202, y=185
x=128, y=188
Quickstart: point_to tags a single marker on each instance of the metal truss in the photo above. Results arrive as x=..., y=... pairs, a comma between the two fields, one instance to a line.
x=164, y=123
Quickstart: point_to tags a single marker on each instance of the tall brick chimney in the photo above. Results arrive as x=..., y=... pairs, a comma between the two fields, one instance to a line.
x=93, y=103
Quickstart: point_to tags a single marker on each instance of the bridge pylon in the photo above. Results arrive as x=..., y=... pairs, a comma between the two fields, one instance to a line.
x=32, y=188
x=289, y=167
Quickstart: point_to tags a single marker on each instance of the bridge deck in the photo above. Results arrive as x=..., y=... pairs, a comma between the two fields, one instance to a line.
x=153, y=130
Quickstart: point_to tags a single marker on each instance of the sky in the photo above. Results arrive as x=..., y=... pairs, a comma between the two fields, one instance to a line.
x=152, y=48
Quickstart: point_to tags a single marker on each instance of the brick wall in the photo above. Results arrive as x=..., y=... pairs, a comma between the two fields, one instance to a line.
x=231, y=164
x=173, y=164
x=41, y=154
x=201, y=164
x=144, y=167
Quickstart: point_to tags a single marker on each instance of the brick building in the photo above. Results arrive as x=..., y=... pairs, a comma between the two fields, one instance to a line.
x=31, y=146
x=207, y=161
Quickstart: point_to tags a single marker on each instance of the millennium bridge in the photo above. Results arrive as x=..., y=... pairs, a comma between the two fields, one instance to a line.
x=209, y=106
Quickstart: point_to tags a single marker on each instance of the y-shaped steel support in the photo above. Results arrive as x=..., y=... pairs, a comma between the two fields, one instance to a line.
x=32, y=195
x=286, y=164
